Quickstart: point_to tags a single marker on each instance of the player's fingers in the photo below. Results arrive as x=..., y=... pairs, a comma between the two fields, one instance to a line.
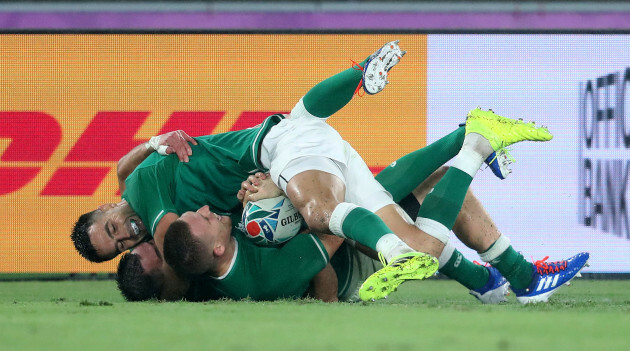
x=189, y=138
x=181, y=152
x=253, y=180
x=182, y=142
x=255, y=196
x=248, y=198
x=246, y=185
x=240, y=195
x=179, y=146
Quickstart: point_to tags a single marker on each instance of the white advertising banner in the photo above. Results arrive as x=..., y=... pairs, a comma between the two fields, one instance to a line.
x=566, y=195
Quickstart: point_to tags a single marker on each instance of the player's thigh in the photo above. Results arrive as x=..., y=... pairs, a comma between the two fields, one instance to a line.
x=315, y=187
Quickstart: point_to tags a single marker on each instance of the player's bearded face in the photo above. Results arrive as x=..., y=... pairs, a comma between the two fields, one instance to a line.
x=116, y=229
x=150, y=257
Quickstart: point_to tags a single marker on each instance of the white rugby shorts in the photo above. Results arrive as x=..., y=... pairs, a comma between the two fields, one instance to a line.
x=304, y=142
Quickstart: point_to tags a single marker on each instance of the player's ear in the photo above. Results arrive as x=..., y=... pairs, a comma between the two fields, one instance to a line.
x=219, y=250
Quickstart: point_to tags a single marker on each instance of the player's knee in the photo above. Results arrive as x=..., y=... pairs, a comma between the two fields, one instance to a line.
x=317, y=214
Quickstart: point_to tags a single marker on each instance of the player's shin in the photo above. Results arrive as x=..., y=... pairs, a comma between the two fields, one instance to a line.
x=442, y=205
x=402, y=176
x=455, y=266
x=356, y=223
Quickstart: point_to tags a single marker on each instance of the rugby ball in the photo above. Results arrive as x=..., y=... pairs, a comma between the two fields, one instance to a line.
x=271, y=221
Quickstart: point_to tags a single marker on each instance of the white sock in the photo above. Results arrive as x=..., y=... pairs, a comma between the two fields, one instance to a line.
x=474, y=152
x=338, y=216
x=496, y=249
x=468, y=161
x=434, y=229
x=391, y=246
x=446, y=254
x=479, y=143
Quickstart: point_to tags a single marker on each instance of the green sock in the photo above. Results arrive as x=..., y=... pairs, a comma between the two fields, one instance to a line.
x=332, y=94
x=365, y=227
x=514, y=268
x=445, y=201
x=403, y=176
x=470, y=275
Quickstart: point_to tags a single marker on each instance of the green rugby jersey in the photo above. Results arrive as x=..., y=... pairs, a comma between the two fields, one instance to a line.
x=270, y=273
x=343, y=266
x=213, y=176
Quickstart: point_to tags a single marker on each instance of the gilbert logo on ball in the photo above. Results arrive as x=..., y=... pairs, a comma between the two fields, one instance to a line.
x=271, y=221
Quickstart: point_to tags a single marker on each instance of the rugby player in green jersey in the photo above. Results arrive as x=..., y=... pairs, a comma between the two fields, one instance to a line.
x=237, y=268
x=309, y=161
x=269, y=273
x=263, y=273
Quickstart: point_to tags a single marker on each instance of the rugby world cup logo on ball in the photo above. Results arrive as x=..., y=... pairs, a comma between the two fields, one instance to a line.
x=271, y=221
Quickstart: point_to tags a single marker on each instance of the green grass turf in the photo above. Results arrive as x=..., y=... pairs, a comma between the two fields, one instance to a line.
x=430, y=315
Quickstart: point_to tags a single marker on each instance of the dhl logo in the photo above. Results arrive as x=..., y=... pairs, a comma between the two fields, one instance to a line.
x=34, y=137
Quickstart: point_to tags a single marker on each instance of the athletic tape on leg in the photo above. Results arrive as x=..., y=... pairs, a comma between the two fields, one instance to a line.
x=338, y=217
x=446, y=254
x=390, y=245
x=468, y=161
x=434, y=228
x=499, y=247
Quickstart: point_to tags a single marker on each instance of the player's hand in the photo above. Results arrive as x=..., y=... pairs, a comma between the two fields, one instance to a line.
x=248, y=186
x=175, y=142
x=258, y=186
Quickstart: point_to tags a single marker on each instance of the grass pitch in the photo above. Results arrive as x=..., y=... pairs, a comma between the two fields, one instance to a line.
x=430, y=315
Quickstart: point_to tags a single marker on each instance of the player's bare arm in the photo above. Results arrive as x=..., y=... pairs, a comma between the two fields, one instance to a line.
x=172, y=142
x=324, y=286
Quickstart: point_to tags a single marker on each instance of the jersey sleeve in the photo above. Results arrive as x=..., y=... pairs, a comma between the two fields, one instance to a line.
x=150, y=194
x=296, y=263
x=270, y=273
x=305, y=247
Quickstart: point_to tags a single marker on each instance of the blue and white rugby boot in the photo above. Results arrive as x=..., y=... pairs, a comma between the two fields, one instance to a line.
x=498, y=162
x=496, y=289
x=548, y=277
x=378, y=65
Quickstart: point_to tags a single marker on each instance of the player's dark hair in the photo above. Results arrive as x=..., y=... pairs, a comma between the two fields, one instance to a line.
x=81, y=238
x=181, y=250
x=133, y=282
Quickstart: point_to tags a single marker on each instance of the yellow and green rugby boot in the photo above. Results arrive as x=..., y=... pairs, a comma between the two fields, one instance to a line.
x=408, y=266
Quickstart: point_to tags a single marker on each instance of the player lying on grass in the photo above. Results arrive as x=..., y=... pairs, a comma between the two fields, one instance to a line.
x=307, y=159
x=473, y=226
x=532, y=282
x=303, y=151
x=271, y=273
